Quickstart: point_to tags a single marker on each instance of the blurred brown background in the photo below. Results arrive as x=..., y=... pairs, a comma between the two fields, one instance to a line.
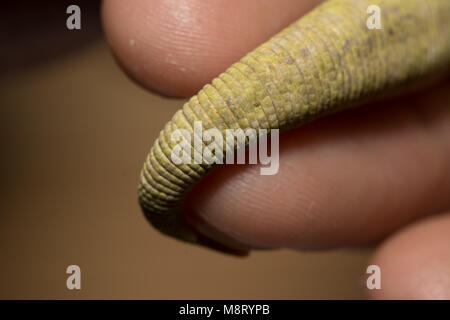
x=74, y=133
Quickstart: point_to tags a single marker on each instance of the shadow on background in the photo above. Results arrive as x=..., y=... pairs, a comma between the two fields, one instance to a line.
x=35, y=31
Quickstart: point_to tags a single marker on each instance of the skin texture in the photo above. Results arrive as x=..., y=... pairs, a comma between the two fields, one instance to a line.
x=406, y=183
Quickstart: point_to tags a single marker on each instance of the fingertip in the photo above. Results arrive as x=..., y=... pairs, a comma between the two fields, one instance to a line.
x=175, y=47
x=415, y=263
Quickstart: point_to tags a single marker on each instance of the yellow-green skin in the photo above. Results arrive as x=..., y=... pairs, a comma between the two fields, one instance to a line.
x=327, y=60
